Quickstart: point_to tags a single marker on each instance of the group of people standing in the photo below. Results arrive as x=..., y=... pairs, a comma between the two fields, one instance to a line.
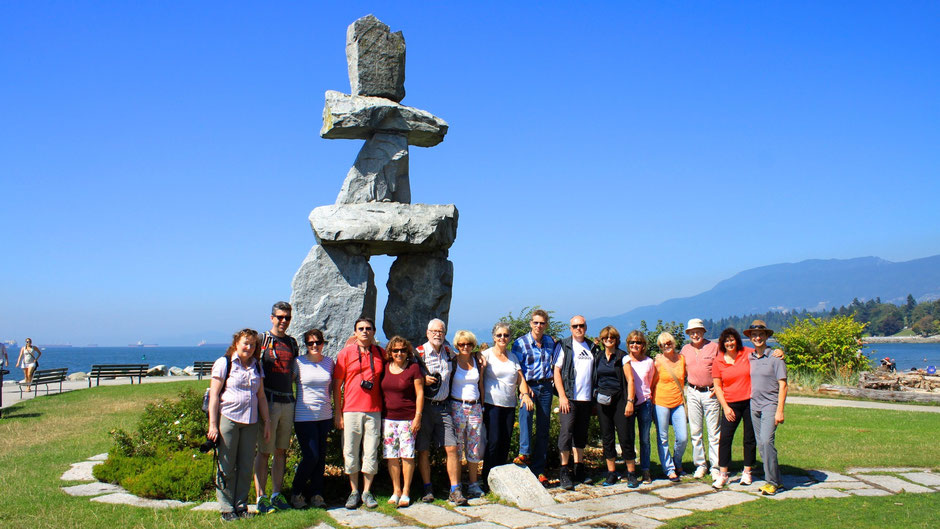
x=408, y=400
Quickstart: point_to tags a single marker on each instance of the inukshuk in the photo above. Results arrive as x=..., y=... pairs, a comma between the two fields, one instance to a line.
x=373, y=214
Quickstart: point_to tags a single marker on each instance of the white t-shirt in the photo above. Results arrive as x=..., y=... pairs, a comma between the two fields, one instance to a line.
x=642, y=378
x=499, y=379
x=313, y=389
x=465, y=384
x=583, y=370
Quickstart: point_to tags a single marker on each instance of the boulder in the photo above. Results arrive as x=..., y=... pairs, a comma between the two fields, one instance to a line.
x=157, y=371
x=518, y=485
x=190, y=370
x=330, y=291
x=376, y=59
x=386, y=227
x=177, y=372
x=380, y=173
x=78, y=375
x=351, y=117
x=419, y=290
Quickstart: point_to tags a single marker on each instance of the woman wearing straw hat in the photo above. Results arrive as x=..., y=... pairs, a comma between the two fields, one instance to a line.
x=768, y=396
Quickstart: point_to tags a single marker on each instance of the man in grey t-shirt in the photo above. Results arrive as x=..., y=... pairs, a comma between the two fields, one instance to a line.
x=768, y=397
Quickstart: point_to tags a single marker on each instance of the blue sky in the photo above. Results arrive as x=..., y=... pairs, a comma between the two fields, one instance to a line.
x=158, y=160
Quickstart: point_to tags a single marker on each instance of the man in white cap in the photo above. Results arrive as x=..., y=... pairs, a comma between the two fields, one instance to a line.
x=701, y=402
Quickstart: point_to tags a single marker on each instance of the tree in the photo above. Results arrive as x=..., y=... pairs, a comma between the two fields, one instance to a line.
x=519, y=324
x=926, y=326
x=673, y=328
x=909, y=309
x=829, y=346
x=886, y=320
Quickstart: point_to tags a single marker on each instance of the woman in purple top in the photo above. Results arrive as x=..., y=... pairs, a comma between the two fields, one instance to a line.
x=236, y=400
x=403, y=395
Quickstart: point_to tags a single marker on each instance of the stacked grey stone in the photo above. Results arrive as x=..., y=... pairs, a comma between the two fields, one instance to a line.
x=373, y=213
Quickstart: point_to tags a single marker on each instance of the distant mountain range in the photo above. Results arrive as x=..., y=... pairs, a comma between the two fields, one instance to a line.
x=815, y=284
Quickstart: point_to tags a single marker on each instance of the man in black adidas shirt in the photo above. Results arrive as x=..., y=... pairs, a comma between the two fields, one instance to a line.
x=278, y=351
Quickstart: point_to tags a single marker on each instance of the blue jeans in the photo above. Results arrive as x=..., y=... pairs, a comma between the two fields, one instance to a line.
x=676, y=417
x=644, y=420
x=543, y=409
x=311, y=435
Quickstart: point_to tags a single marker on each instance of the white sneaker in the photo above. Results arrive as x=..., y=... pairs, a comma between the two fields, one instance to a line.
x=715, y=473
x=746, y=478
x=721, y=481
x=700, y=472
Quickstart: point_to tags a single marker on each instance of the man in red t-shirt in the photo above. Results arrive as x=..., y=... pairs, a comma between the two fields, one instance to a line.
x=358, y=409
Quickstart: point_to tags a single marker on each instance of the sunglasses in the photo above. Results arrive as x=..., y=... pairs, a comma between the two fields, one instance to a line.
x=578, y=326
x=501, y=335
x=314, y=343
x=399, y=351
x=283, y=318
x=540, y=323
x=462, y=345
x=609, y=339
x=635, y=342
x=364, y=329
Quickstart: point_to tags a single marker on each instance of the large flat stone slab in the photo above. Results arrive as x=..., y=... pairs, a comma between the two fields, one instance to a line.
x=433, y=515
x=92, y=489
x=842, y=485
x=790, y=481
x=625, y=519
x=376, y=59
x=476, y=525
x=580, y=510
x=518, y=485
x=711, y=502
x=870, y=470
x=386, y=228
x=212, y=506
x=661, y=513
x=123, y=498
x=828, y=476
x=869, y=492
x=808, y=493
x=924, y=478
x=350, y=117
x=683, y=491
x=508, y=516
x=99, y=457
x=80, y=471
x=362, y=518
x=894, y=484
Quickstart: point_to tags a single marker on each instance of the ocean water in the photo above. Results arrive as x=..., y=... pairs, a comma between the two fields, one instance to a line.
x=82, y=358
x=906, y=355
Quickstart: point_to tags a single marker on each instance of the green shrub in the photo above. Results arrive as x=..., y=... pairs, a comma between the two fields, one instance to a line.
x=181, y=476
x=831, y=347
x=159, y=460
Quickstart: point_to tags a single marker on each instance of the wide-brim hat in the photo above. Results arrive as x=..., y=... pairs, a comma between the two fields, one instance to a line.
x=695, y=323
x=758, y=325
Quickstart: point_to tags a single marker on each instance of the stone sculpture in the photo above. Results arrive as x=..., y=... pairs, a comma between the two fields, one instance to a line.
x=373, y=214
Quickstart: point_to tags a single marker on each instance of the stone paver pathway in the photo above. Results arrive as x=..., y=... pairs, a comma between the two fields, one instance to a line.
x=586, y=507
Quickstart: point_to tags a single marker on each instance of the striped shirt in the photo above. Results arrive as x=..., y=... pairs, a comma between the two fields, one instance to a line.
x=535, y=359
x=239, y=401
x=314, y=385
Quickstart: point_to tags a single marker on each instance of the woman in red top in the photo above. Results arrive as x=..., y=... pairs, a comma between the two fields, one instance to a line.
x=732, y=377
x=403, y=393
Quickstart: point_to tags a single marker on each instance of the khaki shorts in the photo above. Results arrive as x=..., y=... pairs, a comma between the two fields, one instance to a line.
x=362, y=435
x=281, y=415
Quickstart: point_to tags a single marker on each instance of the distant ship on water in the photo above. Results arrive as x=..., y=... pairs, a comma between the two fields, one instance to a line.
x=204, y=343
x=140, y=343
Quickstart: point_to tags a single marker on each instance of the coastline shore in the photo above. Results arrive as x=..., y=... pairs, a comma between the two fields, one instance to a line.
x=902, y=339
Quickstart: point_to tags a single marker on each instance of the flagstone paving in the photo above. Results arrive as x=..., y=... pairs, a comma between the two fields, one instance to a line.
x=587, y=506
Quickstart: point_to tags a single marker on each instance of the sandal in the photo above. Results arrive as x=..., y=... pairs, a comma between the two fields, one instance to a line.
x=393, y=499
x=404, y=501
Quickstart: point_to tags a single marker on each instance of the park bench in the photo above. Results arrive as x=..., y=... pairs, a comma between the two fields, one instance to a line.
x=201, y=368
x=44, y=377
x=100, y=371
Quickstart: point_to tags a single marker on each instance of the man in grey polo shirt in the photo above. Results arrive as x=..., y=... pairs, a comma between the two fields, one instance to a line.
x=768, y=397
x=437, y=426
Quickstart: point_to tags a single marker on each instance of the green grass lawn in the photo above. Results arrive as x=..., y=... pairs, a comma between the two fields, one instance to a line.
x=40, y=438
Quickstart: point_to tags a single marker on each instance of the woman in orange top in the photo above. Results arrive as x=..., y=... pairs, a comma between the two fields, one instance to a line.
x=669, y=405
x=731, y=371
